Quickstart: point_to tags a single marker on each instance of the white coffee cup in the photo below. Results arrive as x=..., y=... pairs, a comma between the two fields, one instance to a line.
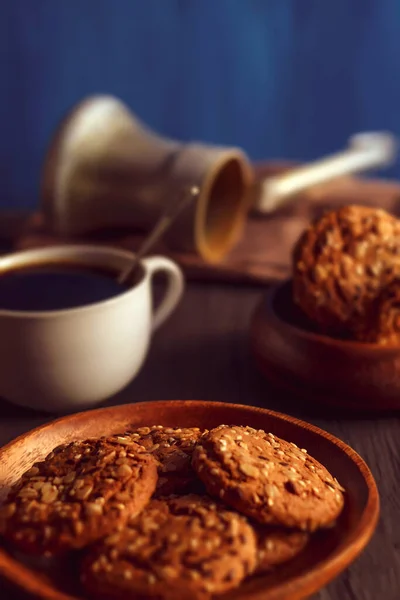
x=68, y=359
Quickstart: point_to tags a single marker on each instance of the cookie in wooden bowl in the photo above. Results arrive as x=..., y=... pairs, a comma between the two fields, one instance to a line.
x=172, y=447
x=81, y=492
x=341, y=263
x=178, y=547
x=268, y=479
x=383, y=326
x=180, y=553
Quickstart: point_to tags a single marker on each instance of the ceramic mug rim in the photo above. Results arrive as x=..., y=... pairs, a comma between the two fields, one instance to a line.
x=83, y=252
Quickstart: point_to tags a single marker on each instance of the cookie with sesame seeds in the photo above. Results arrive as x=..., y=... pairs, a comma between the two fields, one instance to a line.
x=172, y=447
x=383, y=327
x=340, y=265
x=81, y=492
x=267, y=478
x=182, y=547
x=277, y=545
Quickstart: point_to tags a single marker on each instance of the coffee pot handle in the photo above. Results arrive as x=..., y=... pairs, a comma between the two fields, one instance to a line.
x=175, y=287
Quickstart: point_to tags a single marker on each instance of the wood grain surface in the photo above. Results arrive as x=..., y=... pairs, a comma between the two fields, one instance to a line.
x=203, y=352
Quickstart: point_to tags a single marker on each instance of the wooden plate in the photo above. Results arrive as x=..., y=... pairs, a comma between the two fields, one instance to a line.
x=317, y=368
x=324, y=559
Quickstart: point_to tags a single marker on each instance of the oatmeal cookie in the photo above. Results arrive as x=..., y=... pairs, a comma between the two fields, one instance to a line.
x=341, y=263
x=266, y=478
x=276, y=546
x=172, y=447
x=179, y=547
x=78, y=494
x=383, y=326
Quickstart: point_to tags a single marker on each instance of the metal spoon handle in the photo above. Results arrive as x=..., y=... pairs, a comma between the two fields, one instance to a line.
x=366, y=150
x=167, y=218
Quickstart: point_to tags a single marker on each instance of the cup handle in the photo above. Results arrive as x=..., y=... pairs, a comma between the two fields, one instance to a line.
x=175, y=286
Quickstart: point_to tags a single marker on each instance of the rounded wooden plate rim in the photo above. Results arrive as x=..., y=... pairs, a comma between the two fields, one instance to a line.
x=266, y=306
x=296, y=588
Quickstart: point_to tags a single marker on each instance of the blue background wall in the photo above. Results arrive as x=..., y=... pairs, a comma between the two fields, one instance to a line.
x=282, y=78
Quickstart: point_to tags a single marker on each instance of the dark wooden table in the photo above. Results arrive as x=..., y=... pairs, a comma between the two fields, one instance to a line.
x=202, y=353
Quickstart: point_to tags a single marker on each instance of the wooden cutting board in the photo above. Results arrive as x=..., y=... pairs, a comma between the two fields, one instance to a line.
x=263, y=254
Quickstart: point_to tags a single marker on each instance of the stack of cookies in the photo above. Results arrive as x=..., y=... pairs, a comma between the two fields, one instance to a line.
x=172, y=513
x=346, y=274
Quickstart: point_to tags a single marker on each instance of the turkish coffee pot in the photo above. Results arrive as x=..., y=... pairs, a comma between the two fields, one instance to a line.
x=106, y=169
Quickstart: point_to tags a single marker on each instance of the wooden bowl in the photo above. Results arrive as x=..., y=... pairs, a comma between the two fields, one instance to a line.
x=327, y=555
x=318, y=368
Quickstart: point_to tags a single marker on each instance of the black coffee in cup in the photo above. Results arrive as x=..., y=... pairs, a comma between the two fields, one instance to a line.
x=56, y=286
